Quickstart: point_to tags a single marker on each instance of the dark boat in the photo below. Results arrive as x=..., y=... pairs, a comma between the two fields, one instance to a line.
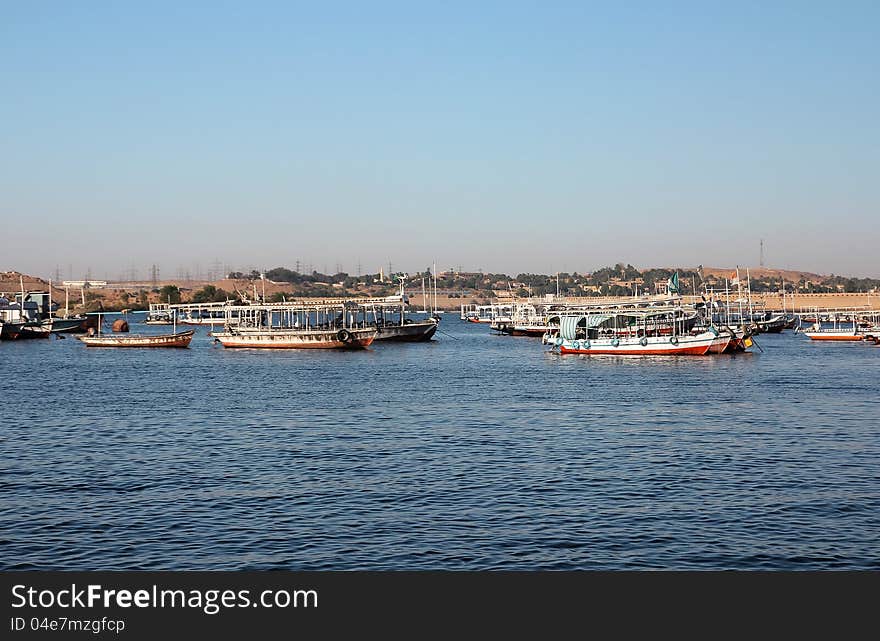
x=410, y=330
x=389, y=316
x=769, y=324
x=21, y=320
x=68, y=325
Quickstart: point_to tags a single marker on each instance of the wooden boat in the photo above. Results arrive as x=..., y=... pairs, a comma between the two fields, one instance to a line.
x=177, y=339
x=740, y=341
x=485, y=313
x=286, y=338
x=833, y=335
x=67, y=325
x=159, y=314
x=837, y=333
x=409, y=331
x=648, y=346
x=844, y=326
x=389, y=317
x=770, y=324
x=21, y=320
x=525, y=330
x=17, y=330
x=598, y=334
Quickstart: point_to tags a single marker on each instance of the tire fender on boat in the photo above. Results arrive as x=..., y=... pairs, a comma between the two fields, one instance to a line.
x=559, y=342
x=643, y=341
x=615, y=342
x=344, y=335
x=576, y=345
x=673, y=340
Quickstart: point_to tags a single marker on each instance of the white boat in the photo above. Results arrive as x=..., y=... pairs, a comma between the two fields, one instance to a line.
x=836, y=333
x=696, y=345
x=316, y=325
x=655, y=333
x=159, y=314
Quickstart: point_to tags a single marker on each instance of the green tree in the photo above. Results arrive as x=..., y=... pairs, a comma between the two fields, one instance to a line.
x=210, y=294
x=169, y=294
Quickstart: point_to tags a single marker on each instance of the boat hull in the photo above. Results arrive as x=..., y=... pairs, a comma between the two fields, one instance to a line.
x=833, y=336
x=181, y=339
x=528, y=330
x=73, y=325
x=296, y=339
x=654, y=346
x=10, y=331
x=720, y=344
x=409, y=332
x=772, y=326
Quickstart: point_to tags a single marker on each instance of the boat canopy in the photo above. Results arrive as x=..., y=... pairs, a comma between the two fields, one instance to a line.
x=568, y=324
x=594, y=320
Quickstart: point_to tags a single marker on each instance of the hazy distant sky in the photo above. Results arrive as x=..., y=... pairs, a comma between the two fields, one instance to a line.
x=504, y=136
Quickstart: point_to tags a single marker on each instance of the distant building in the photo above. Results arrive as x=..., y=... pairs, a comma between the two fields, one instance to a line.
x=85, y=284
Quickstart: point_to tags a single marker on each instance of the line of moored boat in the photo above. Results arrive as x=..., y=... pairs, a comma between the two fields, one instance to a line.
x=662, y=326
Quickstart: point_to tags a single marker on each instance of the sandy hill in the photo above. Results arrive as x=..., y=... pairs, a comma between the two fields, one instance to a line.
x=762, y=272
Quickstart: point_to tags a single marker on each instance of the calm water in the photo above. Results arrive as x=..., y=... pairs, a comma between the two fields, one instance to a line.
x=474, y=451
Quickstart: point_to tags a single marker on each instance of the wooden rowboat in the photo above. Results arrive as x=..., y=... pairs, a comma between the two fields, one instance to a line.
x=178, y=339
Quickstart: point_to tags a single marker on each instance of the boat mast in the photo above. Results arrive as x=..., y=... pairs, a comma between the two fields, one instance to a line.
x=784, y=313
x=739, y=297
x=424, y=297
x=402, y=303
x=749, y=290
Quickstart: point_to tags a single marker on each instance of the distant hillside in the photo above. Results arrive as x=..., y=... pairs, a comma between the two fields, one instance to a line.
x=763, y=272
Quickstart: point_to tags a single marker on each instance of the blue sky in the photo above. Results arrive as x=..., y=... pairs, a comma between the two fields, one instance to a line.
x=501, y=136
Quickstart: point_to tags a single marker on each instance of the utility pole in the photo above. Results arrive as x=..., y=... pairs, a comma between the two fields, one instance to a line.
x=762, y=252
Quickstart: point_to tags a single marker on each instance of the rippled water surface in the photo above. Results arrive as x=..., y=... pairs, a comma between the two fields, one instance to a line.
x=473, y=451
